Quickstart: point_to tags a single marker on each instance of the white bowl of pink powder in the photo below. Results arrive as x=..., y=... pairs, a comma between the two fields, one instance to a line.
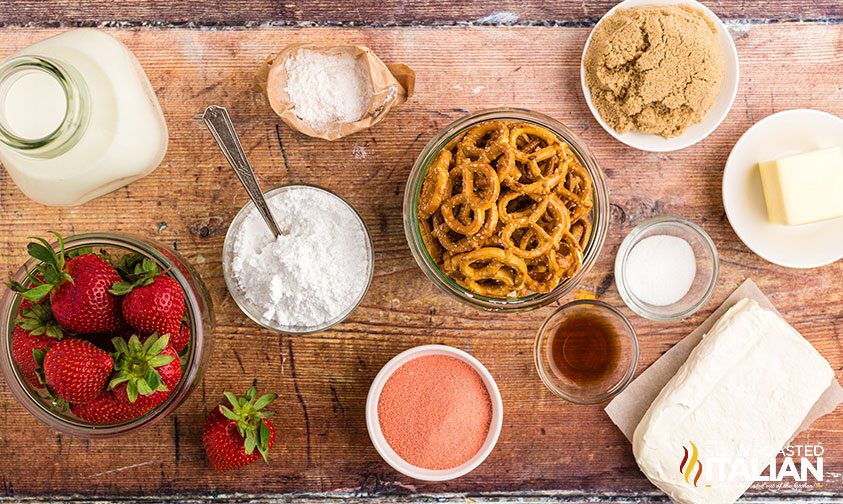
x=434, y=413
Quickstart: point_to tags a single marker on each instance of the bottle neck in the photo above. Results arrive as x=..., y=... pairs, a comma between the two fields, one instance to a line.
x=44, y=106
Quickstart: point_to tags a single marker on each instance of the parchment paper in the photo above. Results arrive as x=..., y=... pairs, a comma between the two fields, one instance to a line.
x=391, y=85
x=629, y=407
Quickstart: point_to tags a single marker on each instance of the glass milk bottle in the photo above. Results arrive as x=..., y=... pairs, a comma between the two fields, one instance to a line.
x=78, y=118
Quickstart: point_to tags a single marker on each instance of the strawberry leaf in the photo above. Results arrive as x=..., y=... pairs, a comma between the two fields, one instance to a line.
x=132, y=391
x=48, y=274
x=141, y=387
x=39, y=320
x=264, y=401
x=60, y=256
x=79, y=251
x=117, y=380
x=161, y=360
x=135, y=365
x=156, y=345
x=38, y=356
x=36, y=294
x=121, y=288
x=227, y=413
x=120, y=345
x=43, y=253
x=246, y=415
x=250, y=443
x=263, y=443
x=232, y=399
x=136, y=271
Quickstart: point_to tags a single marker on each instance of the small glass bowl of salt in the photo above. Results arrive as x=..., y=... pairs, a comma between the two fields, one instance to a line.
x=666, y=268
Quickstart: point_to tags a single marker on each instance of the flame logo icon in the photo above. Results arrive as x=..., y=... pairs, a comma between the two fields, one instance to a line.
x=690, y=461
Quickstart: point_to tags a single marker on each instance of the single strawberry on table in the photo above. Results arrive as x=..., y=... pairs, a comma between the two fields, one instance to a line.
x=238, y=434
x=153, y=302
x=35, y=331
x=78, y=288
x=146, y=372
x=76, y=371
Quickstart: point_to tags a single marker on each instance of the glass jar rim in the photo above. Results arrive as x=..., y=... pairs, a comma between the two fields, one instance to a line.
x=35, y=404
x=76, y=115
x=600, y=212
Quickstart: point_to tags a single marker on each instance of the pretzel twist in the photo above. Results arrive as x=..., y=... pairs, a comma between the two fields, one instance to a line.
x=505, y=209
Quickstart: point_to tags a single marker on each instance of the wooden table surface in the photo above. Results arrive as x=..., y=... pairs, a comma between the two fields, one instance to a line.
x=791, y=55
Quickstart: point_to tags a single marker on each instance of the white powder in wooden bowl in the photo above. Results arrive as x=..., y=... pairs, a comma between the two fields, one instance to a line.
x=327, y=88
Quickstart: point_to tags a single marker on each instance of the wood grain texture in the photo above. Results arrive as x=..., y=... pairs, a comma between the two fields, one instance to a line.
x=368, y=12
x=547, y=446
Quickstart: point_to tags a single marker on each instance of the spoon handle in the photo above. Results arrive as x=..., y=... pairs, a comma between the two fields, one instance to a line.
x=221, y=127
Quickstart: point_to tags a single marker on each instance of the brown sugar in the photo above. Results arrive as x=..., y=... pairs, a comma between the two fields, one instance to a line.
x=654, y=69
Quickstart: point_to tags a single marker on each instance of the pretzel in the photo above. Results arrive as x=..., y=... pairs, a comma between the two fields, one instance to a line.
x=505, y=209
x=434, y=185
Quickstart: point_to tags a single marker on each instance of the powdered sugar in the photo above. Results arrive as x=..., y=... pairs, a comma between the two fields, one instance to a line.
x=313, y=274
x=327, y=88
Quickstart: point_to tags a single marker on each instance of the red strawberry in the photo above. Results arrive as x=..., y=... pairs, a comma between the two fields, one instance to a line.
x=180, y=340
x=106, y=409
x=146, y=373
x=25, y=304
x=153, y=302
x=78, y=289
x=231, y=435
x=85, y=305
x=35, y=329
x=76, y=371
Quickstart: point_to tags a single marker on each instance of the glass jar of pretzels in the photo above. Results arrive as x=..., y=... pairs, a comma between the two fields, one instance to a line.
x=506, y=209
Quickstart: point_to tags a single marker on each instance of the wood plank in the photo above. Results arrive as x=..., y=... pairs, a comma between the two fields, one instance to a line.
x=547, y=445
x=366, y=12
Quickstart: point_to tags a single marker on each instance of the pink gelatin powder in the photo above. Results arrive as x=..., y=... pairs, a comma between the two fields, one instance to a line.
x=435, y=412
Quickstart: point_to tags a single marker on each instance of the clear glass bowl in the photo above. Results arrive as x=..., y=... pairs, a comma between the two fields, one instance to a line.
x=708, y=267
x=239, y=295
x=615, y=381
x=199, y=311
x=600, y=213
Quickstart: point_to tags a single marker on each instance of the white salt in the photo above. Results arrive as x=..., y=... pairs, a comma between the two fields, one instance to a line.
x=327, y=88
x=660, y=269
x=312, y=274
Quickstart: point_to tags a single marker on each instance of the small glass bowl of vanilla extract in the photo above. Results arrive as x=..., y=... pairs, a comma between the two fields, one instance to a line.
x=586, y=352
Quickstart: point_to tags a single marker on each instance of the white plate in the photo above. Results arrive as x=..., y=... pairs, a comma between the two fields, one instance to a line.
x=778, y=135
x=718, y=112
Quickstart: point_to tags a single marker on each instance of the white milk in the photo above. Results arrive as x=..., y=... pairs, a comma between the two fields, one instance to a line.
x=78, y=118
x=35, y=105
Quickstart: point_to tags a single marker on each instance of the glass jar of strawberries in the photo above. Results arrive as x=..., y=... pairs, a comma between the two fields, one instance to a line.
x=104, y=333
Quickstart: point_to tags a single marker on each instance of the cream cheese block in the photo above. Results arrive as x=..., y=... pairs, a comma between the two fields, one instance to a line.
x=741, y=395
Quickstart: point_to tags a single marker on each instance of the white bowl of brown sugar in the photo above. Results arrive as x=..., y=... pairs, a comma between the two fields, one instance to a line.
x=659, y=75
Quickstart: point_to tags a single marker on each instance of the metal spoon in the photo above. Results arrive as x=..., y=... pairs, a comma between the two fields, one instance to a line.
x=218, y=121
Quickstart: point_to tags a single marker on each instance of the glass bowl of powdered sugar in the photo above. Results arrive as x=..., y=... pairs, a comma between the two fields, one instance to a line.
x=312, y=276
x=666, y=268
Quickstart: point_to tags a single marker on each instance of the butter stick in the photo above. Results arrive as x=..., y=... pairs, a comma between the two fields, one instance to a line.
x=804, y=188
